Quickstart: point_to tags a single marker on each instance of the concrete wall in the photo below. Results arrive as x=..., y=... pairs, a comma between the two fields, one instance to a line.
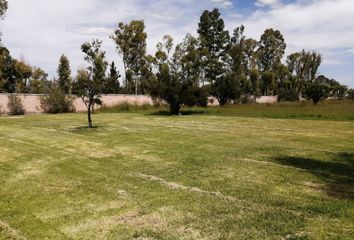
x=31, y=102
x=267, y=99
x=262, y=100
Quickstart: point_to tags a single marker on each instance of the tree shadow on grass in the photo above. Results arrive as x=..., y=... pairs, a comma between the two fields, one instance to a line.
x=338, y=175
x=83, y=129
x=183, y=113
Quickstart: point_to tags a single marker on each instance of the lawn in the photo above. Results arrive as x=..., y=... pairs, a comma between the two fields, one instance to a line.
x=327, y=110
x=201, y=176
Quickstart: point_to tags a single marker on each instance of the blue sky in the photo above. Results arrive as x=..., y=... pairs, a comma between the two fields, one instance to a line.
x=39, y=31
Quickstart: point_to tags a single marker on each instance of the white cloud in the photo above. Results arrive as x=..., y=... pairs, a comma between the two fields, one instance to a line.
x=351, y=51
x=321, y=25
x=41, y=30
x=223, y=3
x=263, y=3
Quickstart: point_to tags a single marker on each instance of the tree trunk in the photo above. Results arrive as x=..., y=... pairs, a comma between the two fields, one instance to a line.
x=175, y=108
x=136, y=87
x=89, y=111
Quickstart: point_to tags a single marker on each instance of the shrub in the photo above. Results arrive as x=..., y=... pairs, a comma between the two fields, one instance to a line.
x=247, y=99
x=288, y=95
x=129, y=107
x=15, y=106
x=57, y=102
x=317, y=91
x=351, y=94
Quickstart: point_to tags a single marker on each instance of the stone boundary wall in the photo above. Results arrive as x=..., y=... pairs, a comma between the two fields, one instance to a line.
x=31, y=102
x=267, y=99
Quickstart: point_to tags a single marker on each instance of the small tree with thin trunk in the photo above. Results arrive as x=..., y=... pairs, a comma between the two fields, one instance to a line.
x=90, y=81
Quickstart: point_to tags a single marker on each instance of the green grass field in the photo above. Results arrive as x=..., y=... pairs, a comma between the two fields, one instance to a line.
x=201, y=176
x=328, y=110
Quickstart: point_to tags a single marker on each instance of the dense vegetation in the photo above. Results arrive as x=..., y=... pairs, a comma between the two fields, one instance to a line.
x=228, y=66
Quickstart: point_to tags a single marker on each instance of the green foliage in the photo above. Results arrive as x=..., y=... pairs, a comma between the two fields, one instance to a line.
x=236, y=51
x=256, y=83
x=3, y=7
x=337, y=90
x=268, y=83
x=304, y=66
x=288, y=95
x=112, y=85
x=15, y=105
x=214, y=41
x=23, y=73
x=271, y=49
x=64, y=74
x=38, y=81
x=234, y=67
x=350, y=94
x=130, y=41
x=189, y=60
x=177, y=79
x=168, y=88
x=56, y=101
x=226, y=89
x=90, y=82
x=216, y=50
x=7, y=71
x=317, y=91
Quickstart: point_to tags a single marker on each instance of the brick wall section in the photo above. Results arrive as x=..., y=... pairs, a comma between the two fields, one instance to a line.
x=267, y=99
x=31, y=102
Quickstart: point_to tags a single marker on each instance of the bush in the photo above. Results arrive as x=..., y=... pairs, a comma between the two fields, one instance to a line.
x=57, y=102
x=194, y=96
x=130, y=108
x=247, y=99
x=317, y=91
x=226, y=89
x=351, y=94
x=15, y=106
x=288, y=96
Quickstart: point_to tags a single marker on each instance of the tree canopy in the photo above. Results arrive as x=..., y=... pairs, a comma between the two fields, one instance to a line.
x=130, y=41
x=64, y=74
x=230, y=67
x=90, y=81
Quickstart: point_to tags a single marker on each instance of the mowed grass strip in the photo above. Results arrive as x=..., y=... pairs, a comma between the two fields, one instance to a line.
x=161, y=177
x=337, y=110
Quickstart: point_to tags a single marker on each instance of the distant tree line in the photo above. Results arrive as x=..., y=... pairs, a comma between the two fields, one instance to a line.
x=230, y=67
